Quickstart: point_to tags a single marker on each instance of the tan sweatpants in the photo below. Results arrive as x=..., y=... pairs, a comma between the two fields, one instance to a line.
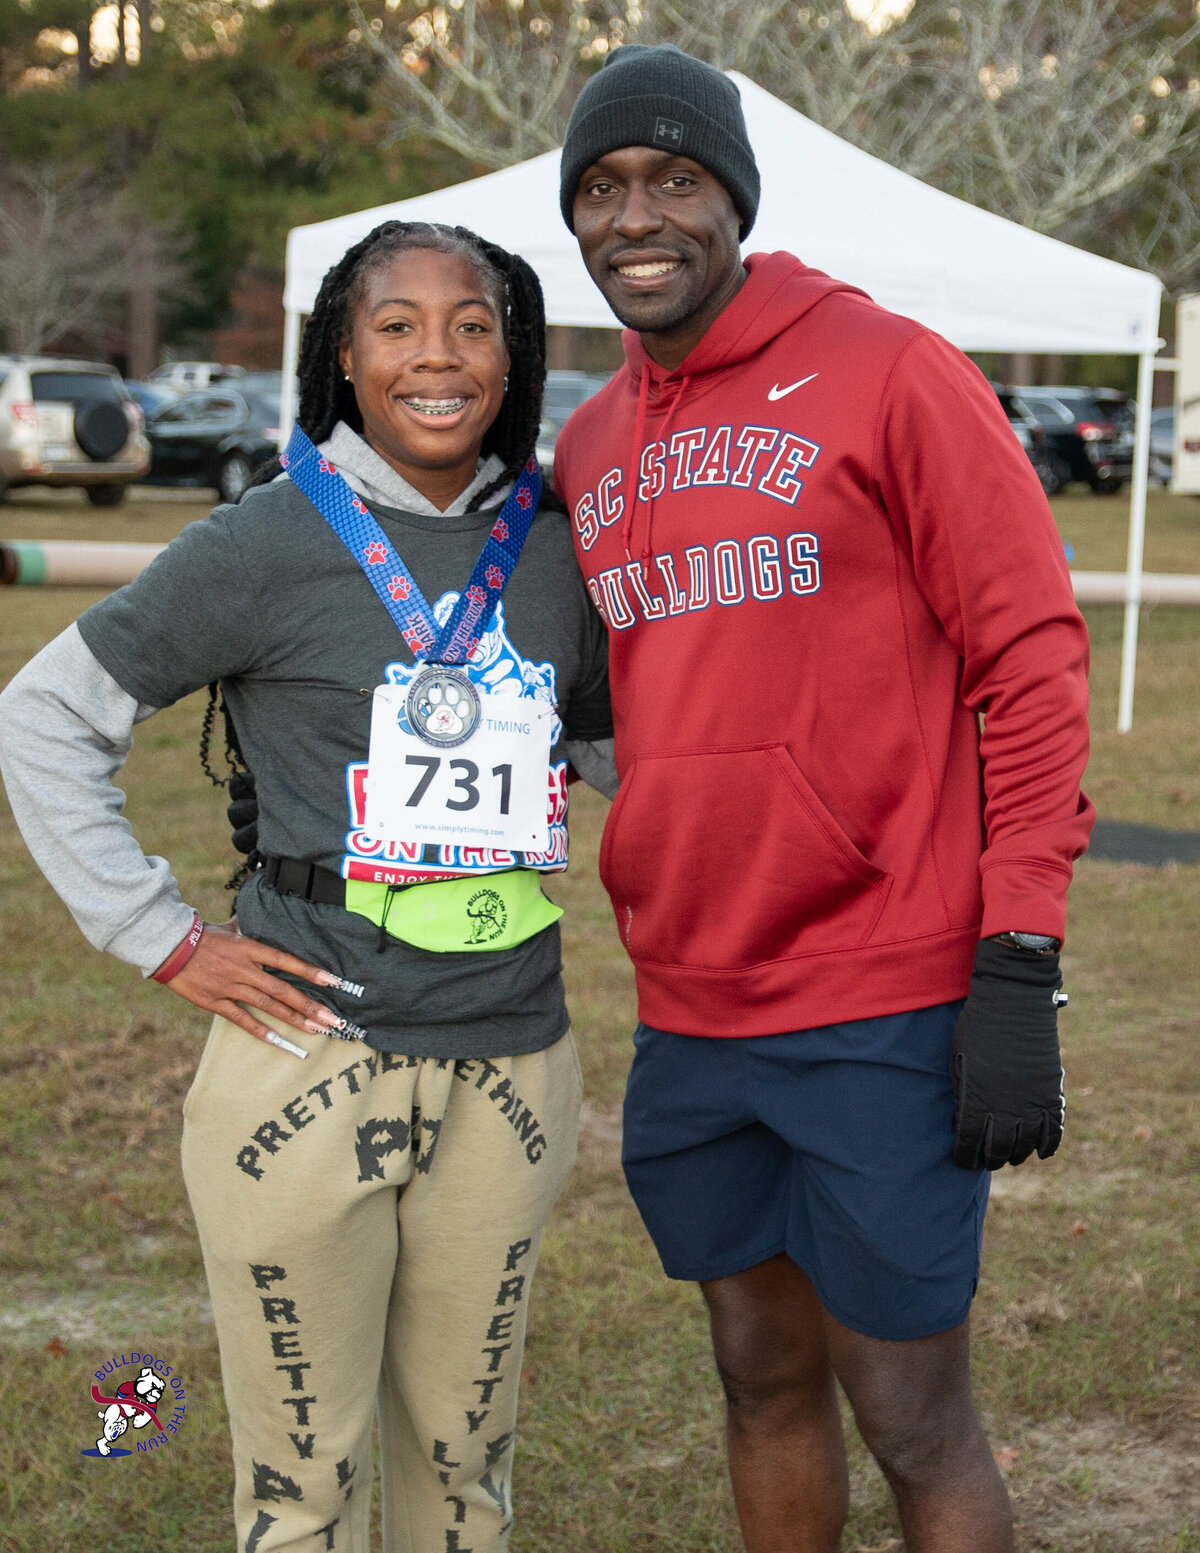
x=370, y=1226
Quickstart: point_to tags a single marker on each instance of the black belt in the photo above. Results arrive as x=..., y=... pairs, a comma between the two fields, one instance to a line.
x=309, y=881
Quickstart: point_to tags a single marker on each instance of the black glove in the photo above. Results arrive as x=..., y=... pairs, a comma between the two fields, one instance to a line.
x=1004, y=1059
x=243, y=810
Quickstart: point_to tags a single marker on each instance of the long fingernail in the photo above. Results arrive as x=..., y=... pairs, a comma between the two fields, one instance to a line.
x=328, y=1019
x=347, y=1031
x=353, y=989
x=287, y=1046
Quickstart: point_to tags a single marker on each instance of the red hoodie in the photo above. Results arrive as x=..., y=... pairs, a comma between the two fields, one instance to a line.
x=836, y=557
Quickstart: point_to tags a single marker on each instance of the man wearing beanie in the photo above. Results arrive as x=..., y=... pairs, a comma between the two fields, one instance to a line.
x=849, y=690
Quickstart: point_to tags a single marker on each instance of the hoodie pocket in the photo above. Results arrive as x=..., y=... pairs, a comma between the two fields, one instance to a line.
x=726, y=859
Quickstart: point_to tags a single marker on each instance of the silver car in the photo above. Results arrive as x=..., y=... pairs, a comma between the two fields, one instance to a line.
x=1162, y=444
x=69, y=423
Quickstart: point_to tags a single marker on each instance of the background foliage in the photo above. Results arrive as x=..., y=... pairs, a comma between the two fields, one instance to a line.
x=186, y=136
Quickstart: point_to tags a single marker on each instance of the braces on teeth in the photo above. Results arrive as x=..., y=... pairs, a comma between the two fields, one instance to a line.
x=436, y=406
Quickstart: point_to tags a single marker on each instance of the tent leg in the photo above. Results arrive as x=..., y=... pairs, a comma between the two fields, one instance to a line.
x=1129, y=646
x=291, y=358
x=1137, y=540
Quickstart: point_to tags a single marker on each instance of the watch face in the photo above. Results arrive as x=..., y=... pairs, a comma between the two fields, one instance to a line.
x=1041, y=942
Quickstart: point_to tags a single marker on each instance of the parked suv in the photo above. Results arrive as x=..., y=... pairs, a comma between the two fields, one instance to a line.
x=69, y=423
x=565, y=392
x=1091, y=429
x=1049, y=465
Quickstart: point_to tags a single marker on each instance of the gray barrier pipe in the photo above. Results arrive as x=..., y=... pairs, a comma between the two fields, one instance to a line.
x=70, y=563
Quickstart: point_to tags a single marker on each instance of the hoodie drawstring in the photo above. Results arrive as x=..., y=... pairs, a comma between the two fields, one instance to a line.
x=635, y=462
x=634, y=478
x=666, y=427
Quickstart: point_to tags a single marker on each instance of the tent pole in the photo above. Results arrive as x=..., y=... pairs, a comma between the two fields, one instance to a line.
x=1137, y=539
x=291, y=358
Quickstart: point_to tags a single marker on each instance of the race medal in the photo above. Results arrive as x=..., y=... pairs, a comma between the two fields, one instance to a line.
x=443, y=706
x=450, y=765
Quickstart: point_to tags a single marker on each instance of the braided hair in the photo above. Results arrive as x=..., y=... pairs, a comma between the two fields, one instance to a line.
x=513, y=287
x=326, y=398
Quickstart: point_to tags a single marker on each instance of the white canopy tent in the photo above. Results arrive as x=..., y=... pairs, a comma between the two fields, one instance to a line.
x=986, y=283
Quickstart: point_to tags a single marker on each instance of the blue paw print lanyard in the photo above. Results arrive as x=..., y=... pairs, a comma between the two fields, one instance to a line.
x=348, y=516
x=497, y=799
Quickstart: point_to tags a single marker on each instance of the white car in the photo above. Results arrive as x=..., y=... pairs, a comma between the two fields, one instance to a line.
x=69, y=423
x=186, y=375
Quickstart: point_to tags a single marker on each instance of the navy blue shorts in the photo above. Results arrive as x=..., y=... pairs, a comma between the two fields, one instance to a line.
x=832, y=1145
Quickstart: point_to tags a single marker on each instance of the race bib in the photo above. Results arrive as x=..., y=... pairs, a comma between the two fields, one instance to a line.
x=453, y=765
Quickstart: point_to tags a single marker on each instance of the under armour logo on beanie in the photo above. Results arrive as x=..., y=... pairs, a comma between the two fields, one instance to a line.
x=661, y=97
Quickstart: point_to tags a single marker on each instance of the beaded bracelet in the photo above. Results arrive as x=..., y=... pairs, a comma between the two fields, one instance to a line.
x=183, y=952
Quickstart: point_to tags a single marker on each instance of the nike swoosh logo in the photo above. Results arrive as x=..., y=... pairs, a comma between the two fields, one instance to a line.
x=782, y=393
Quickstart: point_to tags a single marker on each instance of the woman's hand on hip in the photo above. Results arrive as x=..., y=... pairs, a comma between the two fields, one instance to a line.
x=226, y=970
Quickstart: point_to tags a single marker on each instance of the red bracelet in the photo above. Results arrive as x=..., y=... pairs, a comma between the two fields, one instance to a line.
x=176, y=961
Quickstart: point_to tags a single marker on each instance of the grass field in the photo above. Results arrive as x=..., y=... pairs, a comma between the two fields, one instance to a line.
x=1087, y=1361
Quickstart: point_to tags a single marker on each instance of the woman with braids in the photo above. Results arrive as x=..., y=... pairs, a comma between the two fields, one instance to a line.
x=386, y=1107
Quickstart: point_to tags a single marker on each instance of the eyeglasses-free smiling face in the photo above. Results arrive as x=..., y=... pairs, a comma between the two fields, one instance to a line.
x=425, y=352
x=659, y=236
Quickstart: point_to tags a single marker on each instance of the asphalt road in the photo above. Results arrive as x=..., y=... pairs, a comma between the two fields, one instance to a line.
x=1117, y=841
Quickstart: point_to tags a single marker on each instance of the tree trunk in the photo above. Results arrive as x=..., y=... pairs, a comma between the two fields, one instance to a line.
x=122, y=60
x=145, y=14
x=84, y=71
x=143, y=307
x=1020, y=368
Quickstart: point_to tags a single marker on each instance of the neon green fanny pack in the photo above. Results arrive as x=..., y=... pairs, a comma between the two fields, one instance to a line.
x=488, y=911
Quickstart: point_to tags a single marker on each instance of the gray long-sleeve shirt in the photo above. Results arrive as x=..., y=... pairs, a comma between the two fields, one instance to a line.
x=66, y=728
x=66, y=724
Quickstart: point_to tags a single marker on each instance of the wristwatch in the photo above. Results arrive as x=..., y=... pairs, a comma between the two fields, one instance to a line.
x=1031, y=943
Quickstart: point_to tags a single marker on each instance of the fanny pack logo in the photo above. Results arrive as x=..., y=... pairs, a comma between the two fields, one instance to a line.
x=488, y=917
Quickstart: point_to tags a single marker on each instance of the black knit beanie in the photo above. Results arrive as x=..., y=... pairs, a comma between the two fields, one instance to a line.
x=661, y=97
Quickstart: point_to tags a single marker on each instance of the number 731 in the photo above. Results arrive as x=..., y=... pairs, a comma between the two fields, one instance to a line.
x=466, y=778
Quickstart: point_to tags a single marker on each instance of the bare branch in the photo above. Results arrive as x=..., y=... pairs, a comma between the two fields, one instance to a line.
x=66, y=257
x=60, y=258
x=1055, y=113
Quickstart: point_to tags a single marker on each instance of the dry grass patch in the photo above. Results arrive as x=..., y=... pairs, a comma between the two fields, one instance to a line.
x=1097, y=530
x=1087, y=1362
